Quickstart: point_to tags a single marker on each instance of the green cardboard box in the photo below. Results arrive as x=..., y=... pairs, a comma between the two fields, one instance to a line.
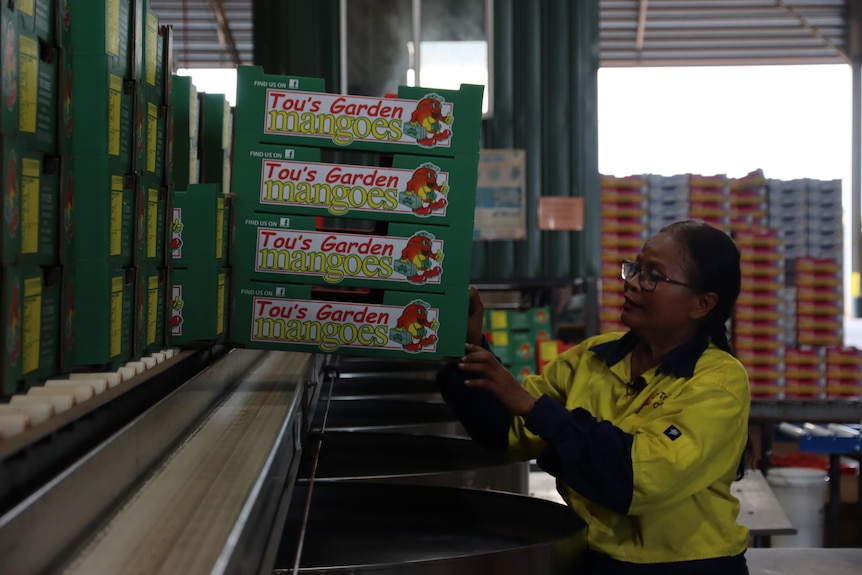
x=154, y=71
x=498, y=340
x=35, y=17
x=530, y=319
x=29, y=211
x=294, y=111
x=155, y=148
x=29, y=85
x=98, y=201
x=98, y=314
x=522, y=346
x=199, y=304
x=522, y=369
x=29, y=319
x=215, y=139
x=289, y=249
x=150, y=318
x=100, y=29
x=198, y=223
x=417, y=190
x=150, y=221
x=183, y=138
x=293, y=318
x=98, y=112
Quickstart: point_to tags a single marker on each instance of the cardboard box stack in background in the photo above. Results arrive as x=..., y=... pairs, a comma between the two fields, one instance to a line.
x=360, y=254
x=515, y=337
x=625, y=227
x=153, y=83
x=29, y=210
x=216, y=136
x=709, y=200
x=749, y=205
x=183, y=131
x=199, y=275
x=668, y=201
x=758, y=323
x=83, y=146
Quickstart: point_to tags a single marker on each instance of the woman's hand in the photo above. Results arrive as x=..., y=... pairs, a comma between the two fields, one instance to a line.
x=492, y=376
x=475, y=315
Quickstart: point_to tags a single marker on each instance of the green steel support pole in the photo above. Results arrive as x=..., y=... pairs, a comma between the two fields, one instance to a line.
x=528, y=126
x=558, y=128
x=586, y=245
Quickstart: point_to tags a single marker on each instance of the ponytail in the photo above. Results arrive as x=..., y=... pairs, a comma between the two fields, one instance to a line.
x=718, y=335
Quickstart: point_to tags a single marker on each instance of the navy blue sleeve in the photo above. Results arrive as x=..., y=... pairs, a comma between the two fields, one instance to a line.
x=593, y=458
x=483, y=416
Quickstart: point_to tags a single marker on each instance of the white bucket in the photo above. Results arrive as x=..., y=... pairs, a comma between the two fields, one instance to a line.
x=801, y=492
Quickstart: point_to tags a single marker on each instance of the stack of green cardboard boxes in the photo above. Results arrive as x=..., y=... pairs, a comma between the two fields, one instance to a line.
x=514, y=336
x=216, y=137
x=29, y=206
x=200, y=216
x=153, y=84
x=113, y=188
x=343, y=256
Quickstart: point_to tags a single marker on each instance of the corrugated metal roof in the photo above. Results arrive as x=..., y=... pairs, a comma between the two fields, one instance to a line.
x=218, y=33
x=722, y=32
x=208, y=33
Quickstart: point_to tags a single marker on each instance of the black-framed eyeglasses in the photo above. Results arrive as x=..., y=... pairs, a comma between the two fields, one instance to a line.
x=647, y=280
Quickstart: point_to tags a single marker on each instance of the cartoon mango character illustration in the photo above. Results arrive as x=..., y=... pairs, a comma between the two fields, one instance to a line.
x=67, y=103
x=417, y=257
x=13, y=328
x=177, y=237
x=68, y=214
x=10, y=66
x=427, y=123
x=141, y=311
x=421, y=191
x=12, y=196
x=70, y=316
x=67, y=14
x=142, y=227
x=140, y=135
x=176, y=314
x=413, y=330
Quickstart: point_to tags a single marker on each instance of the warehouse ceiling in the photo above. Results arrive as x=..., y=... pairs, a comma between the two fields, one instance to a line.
x=218, y=33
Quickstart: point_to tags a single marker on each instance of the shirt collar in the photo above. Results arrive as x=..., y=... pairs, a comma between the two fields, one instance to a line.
x=681, y=361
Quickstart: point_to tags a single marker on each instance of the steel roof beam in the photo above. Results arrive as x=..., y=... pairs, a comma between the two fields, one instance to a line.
x=224, y=32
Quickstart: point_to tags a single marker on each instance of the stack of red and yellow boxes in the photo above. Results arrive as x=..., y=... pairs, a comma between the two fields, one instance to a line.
x=758, y=321
x=709, y=200
x=625, y=227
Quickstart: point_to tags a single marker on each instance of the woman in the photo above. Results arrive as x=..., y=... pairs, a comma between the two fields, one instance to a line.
x=644, y=430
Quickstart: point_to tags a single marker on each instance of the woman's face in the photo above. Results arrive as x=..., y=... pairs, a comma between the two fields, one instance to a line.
x=669, y=307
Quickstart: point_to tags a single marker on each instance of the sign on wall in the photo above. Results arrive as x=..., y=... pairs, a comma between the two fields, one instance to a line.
x=500, y=196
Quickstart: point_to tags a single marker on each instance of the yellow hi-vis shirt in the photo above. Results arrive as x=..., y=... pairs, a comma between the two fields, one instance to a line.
x=662, y=454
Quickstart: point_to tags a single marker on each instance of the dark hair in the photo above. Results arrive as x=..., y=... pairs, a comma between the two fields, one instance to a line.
x=712, y=266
